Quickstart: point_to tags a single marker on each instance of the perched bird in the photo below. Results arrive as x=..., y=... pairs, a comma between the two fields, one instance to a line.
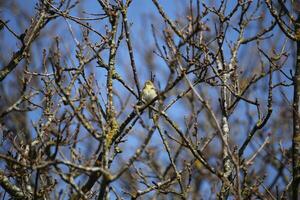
x=148, y=93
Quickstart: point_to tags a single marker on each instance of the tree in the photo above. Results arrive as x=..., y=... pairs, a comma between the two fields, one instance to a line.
x=73, y=123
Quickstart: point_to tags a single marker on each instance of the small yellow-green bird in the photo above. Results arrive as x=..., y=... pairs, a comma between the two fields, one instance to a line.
x=148, y=93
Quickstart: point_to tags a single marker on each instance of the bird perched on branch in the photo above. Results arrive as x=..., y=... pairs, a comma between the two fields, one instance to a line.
x=148, y=93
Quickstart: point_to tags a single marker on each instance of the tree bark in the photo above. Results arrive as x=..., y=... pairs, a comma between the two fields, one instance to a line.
x=296, y=120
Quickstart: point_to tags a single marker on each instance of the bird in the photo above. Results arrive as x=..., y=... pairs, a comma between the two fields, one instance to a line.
x=148, y=93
